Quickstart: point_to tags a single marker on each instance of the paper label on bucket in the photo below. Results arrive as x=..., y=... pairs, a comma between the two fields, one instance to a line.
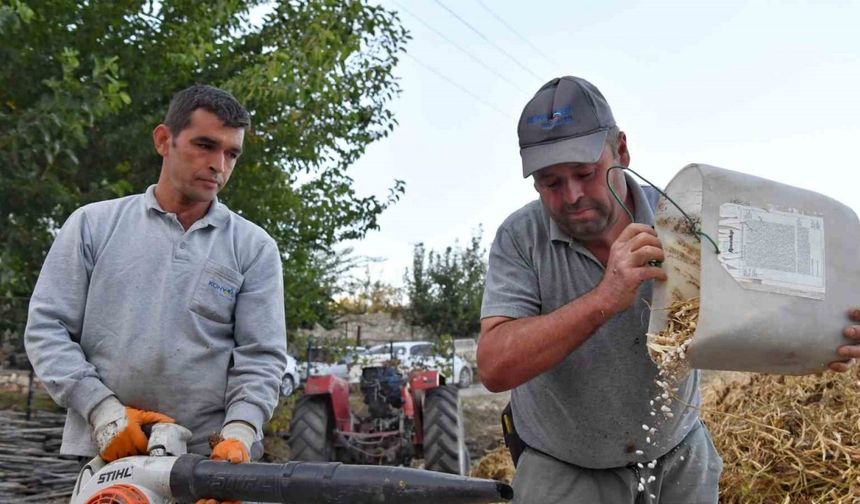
x=773, y=251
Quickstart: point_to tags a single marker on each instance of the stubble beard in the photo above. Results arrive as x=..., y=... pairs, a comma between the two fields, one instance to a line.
x=586, y=230
x=194, y=195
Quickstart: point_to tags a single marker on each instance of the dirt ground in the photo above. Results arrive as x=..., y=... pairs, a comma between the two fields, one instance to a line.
x=482, y=422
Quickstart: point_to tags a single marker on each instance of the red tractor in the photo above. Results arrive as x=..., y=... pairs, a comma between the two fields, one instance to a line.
x=407, y=417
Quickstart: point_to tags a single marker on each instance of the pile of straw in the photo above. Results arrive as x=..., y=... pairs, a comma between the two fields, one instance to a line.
x=787, y=439
x=496, y=465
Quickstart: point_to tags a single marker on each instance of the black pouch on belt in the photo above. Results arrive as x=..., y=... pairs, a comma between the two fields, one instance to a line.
x=513, y=442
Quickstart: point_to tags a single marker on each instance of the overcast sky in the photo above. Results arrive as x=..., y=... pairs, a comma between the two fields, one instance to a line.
x=768, y=88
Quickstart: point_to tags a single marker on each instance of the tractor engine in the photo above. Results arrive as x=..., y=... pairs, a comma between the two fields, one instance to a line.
x=384, y=436
x=381, y=386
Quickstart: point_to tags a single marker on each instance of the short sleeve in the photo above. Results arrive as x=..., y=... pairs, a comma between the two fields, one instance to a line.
x=511, y=288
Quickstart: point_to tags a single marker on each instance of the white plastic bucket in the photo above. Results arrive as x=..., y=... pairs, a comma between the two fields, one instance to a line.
x=776, y=297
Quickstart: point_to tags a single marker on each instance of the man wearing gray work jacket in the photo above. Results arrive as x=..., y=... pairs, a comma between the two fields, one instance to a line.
x=564, y=319
x=165, y=305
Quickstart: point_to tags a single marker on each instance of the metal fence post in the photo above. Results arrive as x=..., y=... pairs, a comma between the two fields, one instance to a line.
x=29, y=394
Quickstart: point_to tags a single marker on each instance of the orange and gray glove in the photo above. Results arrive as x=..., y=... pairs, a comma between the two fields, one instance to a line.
x=234, y=445
x=117, y=429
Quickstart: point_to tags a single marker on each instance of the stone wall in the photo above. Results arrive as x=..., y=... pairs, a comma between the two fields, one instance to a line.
x=15, y=380
x=371, y=328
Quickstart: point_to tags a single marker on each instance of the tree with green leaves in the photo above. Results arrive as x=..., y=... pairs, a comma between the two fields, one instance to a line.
x=445, y=288
x=82, y=84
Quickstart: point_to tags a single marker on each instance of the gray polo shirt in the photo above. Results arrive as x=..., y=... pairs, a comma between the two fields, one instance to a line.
x=187, y=323
x=589, y=409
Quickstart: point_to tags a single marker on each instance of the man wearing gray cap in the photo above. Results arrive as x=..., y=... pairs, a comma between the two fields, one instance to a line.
x=564, y=319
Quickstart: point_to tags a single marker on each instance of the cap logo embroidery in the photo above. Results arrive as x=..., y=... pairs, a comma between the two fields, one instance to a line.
x=559, y=116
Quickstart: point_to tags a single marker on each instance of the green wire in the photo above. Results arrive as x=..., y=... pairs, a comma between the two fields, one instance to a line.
x=693, y=226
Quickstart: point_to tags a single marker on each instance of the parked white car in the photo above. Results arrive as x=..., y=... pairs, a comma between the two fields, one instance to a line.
x=420, y=355
x=291, y=377
x=467, y=349
x=322, y=361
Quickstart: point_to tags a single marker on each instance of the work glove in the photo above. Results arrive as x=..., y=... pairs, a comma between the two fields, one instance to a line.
x=234, y=446
x=117, y=429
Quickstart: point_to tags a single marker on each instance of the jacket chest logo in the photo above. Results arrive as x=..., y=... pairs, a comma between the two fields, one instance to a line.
x=223, y=290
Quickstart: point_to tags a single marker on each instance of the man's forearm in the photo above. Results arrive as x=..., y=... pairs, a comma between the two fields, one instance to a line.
x=253, y=387
x=513, y=351
x=260, y=356
x=59, y=361
x=56, y=312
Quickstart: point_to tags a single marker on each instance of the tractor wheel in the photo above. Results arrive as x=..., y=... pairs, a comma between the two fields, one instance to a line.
x=444, y=440
x=311, y=430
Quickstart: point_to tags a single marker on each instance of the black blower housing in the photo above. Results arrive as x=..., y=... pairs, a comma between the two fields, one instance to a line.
x=195, y=477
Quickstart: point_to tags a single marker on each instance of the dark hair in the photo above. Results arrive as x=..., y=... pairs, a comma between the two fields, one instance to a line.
x=211, y=99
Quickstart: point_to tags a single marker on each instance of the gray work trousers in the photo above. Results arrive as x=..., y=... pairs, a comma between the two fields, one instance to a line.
x=688, y=474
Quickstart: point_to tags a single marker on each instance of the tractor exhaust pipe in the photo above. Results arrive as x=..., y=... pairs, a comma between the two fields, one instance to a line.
x=194, y=477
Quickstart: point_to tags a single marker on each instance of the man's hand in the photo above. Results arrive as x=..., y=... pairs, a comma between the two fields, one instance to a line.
x=117, y=429
x=234, y=447
x=628, y=265
x=851, y=351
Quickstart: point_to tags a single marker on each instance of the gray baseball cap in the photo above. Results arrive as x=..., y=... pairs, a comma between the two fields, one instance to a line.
x=565, y=122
